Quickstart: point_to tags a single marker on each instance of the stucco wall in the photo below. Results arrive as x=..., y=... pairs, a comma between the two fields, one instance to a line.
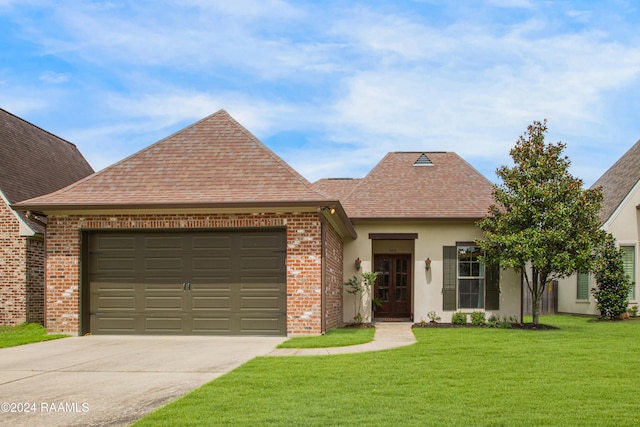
x=624, y=226
x=427, y=285
x=304, y=257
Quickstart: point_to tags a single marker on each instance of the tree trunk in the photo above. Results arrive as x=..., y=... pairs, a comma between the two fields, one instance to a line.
x=539, y=280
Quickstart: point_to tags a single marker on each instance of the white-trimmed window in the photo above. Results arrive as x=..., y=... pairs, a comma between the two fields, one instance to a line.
x=470, y=277
x=582, y=292
x=629, y=257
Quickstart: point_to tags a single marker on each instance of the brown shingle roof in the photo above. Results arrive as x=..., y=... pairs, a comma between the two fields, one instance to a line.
x=338, y=188
x=618, y=181
x=213, y=162
x=449, y=189
x=35, y=162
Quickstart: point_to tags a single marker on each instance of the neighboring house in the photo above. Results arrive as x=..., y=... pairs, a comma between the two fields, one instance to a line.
x=619, y=216
x=209, y=232
x=34, y=162
x=414, y=207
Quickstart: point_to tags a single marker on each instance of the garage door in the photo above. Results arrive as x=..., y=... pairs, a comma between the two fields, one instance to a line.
x=204, y=282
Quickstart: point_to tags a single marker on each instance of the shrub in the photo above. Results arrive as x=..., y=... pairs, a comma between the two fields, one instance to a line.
x=612, y=291
x=478, y=318
x=459, y=318
x=433, y=317
x=633, y=311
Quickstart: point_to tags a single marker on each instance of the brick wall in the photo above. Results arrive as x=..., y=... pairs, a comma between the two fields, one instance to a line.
x=333, y=278
x=304, y=257
x=21, y=272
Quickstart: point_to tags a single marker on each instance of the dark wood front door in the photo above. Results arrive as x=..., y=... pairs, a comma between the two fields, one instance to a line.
x=393, y=285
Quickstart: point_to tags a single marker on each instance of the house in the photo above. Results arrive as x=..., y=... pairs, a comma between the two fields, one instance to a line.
x=209, y=232
x=415, y=216
x=34, y=162
x=619, y=216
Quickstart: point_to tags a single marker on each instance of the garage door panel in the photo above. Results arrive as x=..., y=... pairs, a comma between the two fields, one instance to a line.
x=114, y=325
x=163, y=242
x=169, y=325
x=210, y=241
x=163, y=303
x=211, y=303
x=265, y=303
x=218, y=282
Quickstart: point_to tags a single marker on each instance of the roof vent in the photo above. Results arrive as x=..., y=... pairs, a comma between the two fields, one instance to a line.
x=423, y=160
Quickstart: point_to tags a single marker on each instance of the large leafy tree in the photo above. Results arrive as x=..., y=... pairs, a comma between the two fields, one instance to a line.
x=543, y=223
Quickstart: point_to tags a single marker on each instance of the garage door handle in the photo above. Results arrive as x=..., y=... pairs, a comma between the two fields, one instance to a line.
x=184, y=286
x=189, y=286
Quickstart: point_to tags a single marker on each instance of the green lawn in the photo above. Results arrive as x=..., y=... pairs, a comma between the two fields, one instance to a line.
x=587, y=373
x=26, y=333
x=338, y=337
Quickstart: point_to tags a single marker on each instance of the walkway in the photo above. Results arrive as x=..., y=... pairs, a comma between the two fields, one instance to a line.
x=388, y=335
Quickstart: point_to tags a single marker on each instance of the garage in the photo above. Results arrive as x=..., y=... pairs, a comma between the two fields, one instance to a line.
x=222, y=282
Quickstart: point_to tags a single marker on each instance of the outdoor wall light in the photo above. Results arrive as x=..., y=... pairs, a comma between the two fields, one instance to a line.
x=332, y=210
x=358, y=263
x=427, y=263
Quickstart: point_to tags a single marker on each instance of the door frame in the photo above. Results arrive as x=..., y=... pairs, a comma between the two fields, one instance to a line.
x=409, y=274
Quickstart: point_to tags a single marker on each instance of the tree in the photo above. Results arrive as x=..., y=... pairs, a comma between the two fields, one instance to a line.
x=543, y=224
x=612, y=291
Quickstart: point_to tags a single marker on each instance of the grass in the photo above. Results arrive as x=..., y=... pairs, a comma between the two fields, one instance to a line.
x=338, y=337
x=583, y=374
x=25, y=333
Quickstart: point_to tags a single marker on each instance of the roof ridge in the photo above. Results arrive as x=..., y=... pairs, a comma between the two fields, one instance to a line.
x=39, y=128
x=271, y=153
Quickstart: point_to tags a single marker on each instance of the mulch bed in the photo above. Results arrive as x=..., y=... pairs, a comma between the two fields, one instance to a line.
x=526, y=326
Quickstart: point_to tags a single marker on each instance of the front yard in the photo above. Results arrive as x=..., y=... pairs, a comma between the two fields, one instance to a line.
x=25, y=333
x=585, y=373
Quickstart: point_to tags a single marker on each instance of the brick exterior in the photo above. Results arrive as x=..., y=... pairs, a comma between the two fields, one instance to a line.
x=304, y=258
x=333, y=278
x=21, y=273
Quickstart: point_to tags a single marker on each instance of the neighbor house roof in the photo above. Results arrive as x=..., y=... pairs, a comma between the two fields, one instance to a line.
x=35, y=162
x=618, y=181
x=215, y=162
x=418, y=185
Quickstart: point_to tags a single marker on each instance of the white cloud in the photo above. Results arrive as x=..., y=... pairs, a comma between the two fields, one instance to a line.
x=54, y=78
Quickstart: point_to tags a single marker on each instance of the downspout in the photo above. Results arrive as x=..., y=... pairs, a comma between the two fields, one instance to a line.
x=323, y=262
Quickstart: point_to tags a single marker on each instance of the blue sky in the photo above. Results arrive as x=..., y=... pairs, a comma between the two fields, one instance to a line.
x=330, y=86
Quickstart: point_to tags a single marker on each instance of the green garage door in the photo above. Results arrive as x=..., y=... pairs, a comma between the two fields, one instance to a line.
x=200, y=282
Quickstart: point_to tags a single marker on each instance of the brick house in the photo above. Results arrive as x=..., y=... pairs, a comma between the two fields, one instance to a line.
x=204, y=232
x=209, y=232
x=34, y=162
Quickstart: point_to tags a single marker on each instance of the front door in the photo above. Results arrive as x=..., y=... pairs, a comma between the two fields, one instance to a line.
x=393, y=285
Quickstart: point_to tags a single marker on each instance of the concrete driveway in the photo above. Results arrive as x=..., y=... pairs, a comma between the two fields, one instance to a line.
x=112, y=380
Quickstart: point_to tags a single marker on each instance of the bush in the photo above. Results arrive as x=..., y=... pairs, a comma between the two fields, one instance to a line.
x=433, y=317
x=612, y=292
x=459, y=318
x=478, y=318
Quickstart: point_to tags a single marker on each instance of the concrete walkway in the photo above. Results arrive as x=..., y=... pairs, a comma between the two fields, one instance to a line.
x=388, y=335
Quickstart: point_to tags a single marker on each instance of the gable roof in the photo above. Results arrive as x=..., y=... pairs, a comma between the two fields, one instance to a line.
x=420, y=185
x=35, y=162
x=214, y=162
x=618, y=181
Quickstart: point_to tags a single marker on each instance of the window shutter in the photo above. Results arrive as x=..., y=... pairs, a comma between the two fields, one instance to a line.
x=450, y=261
x=492, y=287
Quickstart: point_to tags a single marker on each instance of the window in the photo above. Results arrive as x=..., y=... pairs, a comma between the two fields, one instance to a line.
x=583, y=286
x=470, y=277
x=629, y=257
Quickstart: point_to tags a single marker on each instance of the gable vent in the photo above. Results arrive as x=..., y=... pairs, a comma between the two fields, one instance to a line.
x=423, y=160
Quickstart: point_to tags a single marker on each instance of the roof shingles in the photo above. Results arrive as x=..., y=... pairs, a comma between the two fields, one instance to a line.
x=214, y=161
x=395, y=188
